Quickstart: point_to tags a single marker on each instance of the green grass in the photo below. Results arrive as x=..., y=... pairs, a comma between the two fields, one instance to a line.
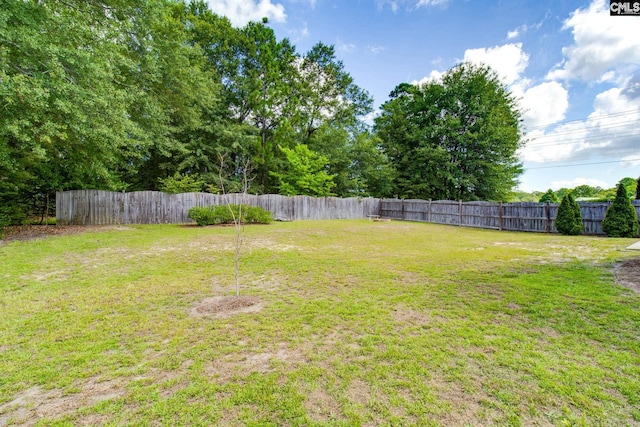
x=363, y=323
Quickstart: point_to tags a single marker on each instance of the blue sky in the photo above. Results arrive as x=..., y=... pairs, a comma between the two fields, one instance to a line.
x=574, y=68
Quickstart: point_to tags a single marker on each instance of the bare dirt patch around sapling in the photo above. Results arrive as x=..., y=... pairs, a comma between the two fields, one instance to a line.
x=223, y=307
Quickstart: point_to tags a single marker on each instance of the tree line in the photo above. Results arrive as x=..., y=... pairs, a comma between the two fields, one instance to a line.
x=582, y=192
x=165, y=95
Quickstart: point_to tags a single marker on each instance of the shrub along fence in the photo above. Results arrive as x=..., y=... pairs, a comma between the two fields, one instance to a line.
x=97, y=207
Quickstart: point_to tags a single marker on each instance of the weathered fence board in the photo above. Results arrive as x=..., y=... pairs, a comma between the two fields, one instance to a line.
x=536, y=217
x=96, y=207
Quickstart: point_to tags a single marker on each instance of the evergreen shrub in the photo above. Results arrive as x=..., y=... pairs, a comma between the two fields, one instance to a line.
x=569, y=217
x=621, y=219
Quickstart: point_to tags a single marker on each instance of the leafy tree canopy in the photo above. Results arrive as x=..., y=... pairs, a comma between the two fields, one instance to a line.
x=140, y=94
x=453, y=139
x=549, y=197
x=305, y=173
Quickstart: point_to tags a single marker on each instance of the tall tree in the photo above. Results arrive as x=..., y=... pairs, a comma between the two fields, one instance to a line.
x=263, y=95
x=96, y=94
x=63, y=115
x=327, y=94
x=178, y=94
x=453, y=139
x=304, y=174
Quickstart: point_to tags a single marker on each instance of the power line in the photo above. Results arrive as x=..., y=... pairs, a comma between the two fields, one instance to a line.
x=598, y=138
x=584, y=164
x=602, y=116
x=584, y=130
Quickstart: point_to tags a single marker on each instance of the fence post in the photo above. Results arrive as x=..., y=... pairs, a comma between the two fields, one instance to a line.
x=460, y=213
x=59, y=195
x=429, y=212
x=402, y=208
x=500, y=216
x=548, y=212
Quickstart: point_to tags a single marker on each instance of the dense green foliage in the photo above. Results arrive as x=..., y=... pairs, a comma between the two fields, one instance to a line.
x=179, y=183
x=549, y=197
x=305, y=173
x=223, y=214
x=569, y=218
x=621, y=219
x=149, y=94
x=453, y=139
x=145, y=95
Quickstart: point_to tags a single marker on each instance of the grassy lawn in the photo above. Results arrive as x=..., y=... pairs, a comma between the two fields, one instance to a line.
x=362, y=323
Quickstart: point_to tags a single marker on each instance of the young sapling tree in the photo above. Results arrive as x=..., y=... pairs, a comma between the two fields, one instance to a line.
x=237, y=215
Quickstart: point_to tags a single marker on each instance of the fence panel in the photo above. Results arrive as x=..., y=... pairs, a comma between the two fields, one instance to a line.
x=526, y=217
x=445, y=212
x=97, y=207
x=482, y=215
x=391, y=208
x=592, y=216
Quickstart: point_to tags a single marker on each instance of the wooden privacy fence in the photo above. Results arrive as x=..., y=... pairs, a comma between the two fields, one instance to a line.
x=536, y=217
x=97, y=207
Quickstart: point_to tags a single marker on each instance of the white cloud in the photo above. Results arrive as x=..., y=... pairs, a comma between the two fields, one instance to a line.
x=508, y=60
x=544, y=104
x=610, y=133
x=524, y=28
x=605, y=49
x=427, y=3
x=240, y=12
x=434, y=76
x=394, y=5
x=631, y=161
x=311, y=3
x=345, y=47
x=376, y=49
x=297, y=35
x=556, y=185
x=601, y=43
x=513, y=34
x=371, y=117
